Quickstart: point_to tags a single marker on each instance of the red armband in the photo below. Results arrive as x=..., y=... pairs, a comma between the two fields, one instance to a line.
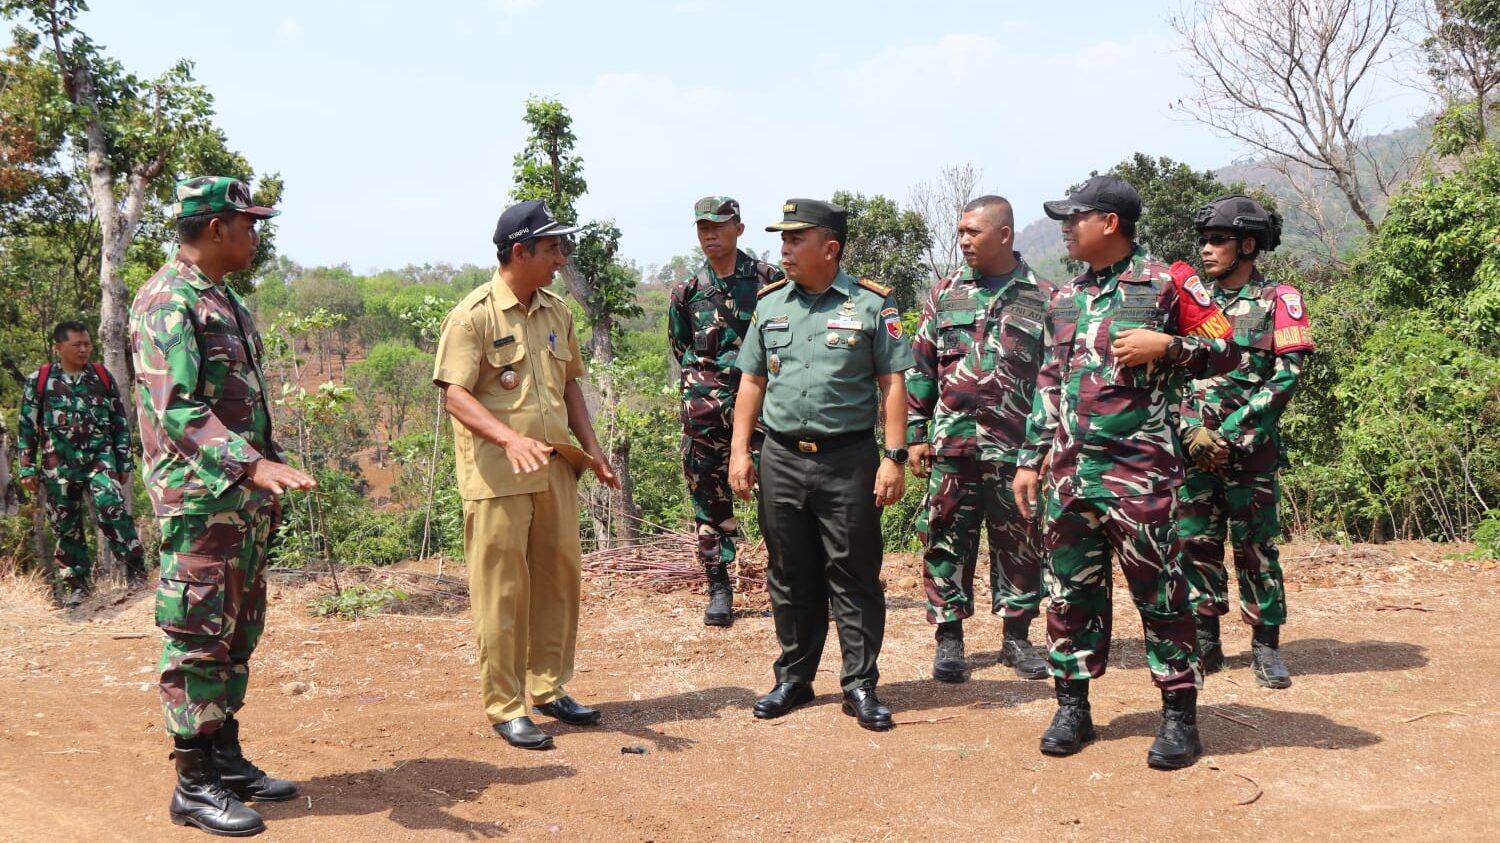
x=1197, y=315
x=1291, y=330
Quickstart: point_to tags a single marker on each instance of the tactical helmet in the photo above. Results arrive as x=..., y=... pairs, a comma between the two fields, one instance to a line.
x=1243, y=214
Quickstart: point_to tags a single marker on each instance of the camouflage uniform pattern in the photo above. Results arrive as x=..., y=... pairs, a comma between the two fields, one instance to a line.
x=1245, y=407
x=73, y=444
x=1110, y=431
x=211, y=606
x=706, y=323
x=977, y=349
x=204, y=420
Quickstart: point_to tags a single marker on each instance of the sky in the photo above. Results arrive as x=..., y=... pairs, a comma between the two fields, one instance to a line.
x=395, y=124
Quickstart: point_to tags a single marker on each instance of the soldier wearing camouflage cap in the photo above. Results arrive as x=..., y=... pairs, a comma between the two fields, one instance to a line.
x=214, y=475
x=977, y=350
x=1119, y=338
x=75, y=443
x=706, y=322
x=1231, y=427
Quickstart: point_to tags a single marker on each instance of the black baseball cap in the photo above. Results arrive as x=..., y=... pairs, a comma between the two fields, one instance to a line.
x=1110, y=194
x=797, y=214
x=527, y=221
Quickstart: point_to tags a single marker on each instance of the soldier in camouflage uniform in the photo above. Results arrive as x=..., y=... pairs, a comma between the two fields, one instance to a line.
x=75, y=441
x=709, y=316
x=1119, y=338
x=977, y=351
x=1231, y=427
x=214, y=480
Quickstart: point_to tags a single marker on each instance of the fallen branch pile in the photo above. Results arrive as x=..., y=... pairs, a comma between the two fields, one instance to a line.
x=668, y=561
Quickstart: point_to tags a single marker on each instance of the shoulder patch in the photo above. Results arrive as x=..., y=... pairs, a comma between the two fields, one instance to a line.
x=774, y=285
x=879, y=289
x=1291, y=331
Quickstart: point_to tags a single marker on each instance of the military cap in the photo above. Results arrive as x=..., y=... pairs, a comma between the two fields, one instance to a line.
x=204, y=195
x=527, y=221
x=797, y=214
x=716, y=209
x=1110, y=194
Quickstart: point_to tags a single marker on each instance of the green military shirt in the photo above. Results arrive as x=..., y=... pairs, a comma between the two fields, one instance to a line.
x=821, y=355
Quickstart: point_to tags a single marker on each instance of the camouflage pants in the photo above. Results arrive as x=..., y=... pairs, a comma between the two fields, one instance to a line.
x=1081, y=536
x=1247, y=505
x=705, y=465
x=964, y=494
x=211, y=606
x=65, y=508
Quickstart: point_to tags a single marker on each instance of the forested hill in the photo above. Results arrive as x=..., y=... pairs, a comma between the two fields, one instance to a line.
x=1395, y=155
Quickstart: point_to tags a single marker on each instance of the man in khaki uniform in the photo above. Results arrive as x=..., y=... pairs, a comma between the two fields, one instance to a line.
x=508, y=364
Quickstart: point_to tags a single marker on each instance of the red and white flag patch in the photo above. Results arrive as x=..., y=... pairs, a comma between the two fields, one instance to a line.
x=892, y=319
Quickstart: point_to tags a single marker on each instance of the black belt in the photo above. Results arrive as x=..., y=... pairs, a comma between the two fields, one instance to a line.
x=808, y=445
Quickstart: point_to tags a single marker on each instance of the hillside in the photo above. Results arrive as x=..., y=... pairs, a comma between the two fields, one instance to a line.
x=1041, y=241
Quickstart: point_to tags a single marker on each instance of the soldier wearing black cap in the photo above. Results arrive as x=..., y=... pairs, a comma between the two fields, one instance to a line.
x=823, y=360
x=1118, y=340
x=508, y=364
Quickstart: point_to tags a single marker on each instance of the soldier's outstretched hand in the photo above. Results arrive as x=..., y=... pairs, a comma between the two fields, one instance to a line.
x=919, y=457
x=276, y=477
x=1026, y=487
x=742, y=475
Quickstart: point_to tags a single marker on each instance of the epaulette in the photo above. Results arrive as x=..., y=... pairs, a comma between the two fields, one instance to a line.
x=774, y=285
x=473, y=298
x=879, y=289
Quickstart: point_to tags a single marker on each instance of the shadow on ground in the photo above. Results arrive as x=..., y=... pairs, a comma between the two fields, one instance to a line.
x=1329, y=657
x=418, y=793
x=1252, y=728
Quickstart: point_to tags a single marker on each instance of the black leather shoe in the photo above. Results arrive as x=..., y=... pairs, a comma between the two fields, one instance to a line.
x=1270, y=670
x=202, y=800
x=523, y=734
x=1177, y=744
x=1021, y=656
x=1073, y=724
x=872, y=713
x=570, y=711
x=948, y=663
x=239, y=775
x=783, y=699
x=1210, y=648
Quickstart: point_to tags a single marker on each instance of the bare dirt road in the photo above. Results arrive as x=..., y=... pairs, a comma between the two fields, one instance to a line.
x=1388, y=732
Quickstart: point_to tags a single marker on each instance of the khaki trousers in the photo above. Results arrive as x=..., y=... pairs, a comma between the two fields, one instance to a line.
x=523, y=558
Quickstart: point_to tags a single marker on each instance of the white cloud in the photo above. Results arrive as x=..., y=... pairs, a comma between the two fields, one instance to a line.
x=289, y=32
x=516, y=7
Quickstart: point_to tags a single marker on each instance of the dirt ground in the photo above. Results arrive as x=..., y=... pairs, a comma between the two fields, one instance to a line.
x=1387, y=733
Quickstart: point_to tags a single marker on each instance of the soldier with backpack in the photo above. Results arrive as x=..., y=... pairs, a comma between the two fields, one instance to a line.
x=75, y=441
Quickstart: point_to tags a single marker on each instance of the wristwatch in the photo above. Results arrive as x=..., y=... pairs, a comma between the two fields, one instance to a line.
x=897, y=456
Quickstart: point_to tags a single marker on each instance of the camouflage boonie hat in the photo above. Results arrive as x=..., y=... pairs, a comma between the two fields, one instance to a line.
x=716, y=209
x=205, y=195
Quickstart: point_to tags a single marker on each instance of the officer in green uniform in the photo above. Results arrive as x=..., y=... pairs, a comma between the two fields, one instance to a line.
x=823, y=360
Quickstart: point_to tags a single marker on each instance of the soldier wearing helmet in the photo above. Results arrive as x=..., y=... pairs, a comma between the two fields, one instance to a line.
x=1231, y=429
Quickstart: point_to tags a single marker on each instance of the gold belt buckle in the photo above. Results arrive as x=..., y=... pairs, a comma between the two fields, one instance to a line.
x=807, y=447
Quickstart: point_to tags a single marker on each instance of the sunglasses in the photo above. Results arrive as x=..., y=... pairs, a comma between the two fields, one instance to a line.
x=1216, y=239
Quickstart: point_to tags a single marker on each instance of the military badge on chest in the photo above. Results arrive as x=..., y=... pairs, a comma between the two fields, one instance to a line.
x=774, y=364
x=509, y=379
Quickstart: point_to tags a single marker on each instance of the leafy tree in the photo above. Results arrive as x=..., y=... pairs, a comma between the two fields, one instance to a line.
x=1462, y=51
x=390, y=382
x=886, y=244
x=547, y=168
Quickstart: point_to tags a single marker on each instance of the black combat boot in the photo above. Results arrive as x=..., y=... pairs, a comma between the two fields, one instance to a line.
x=1177, y=744
x=1073, y=724
x=720, y=611
x=1265, y=658
x=1210, y=648
x=202, y=800
x=239, y=775
x=948, y=664
x=1016, y=651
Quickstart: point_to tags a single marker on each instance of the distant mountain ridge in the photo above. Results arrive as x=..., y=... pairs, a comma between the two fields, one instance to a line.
x=1041, y=240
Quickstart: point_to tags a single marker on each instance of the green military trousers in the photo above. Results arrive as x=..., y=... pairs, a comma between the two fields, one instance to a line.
x=1246, y=506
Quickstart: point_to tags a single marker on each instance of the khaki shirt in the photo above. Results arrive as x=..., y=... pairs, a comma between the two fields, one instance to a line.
x=488, y=334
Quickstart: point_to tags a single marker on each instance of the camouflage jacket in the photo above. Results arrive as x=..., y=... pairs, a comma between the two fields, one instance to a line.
x=201, y=398
x=1245, y=405
x=977, y=349
x=82, y=422
x=706, y=323
x=1111, y=428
